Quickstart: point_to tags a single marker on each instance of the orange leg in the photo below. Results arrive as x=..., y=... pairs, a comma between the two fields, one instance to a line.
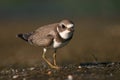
x=48, y=62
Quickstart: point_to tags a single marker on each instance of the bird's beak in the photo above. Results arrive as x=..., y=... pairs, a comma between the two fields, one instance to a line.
x=71, y=29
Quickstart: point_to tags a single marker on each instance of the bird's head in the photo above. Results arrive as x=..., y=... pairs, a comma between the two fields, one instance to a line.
x=65, y=29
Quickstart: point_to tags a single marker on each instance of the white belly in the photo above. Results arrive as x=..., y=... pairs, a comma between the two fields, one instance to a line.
x=58, y=44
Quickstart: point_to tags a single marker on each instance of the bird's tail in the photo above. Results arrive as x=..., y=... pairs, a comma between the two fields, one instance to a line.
x=24, y=36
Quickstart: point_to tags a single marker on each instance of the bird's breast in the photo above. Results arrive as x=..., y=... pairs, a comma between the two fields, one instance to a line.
x=57, y=44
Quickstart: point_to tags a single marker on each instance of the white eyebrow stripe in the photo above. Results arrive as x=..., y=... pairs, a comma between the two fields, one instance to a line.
x=69, y=25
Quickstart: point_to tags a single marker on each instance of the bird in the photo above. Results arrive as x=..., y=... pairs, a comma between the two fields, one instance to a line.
x=52, y=36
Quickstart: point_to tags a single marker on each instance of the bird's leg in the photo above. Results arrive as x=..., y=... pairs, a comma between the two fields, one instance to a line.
x=43, y=56
x=54, y=58
x=48, y=62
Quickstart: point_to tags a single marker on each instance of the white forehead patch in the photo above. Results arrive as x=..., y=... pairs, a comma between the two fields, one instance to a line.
x=69, y=25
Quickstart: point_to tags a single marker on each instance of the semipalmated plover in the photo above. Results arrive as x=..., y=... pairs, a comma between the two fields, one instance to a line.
x=52, y=36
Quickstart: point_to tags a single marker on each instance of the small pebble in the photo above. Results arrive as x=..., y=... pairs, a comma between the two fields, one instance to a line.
x=79, y=67
x=111, y=74
x=49, y=72
x=24, y=78
x=23, y=70
x=15, y=76
x=16, y=70
x=70, y=77
x=32, y=68
x=13, y=70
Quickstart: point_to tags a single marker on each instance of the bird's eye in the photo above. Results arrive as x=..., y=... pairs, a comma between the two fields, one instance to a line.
x=63, y=26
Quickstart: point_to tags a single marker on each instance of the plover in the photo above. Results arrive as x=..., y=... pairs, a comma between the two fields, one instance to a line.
x=52, y=36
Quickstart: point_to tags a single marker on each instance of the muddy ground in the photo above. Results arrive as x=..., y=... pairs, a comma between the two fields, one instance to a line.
x=83, y=71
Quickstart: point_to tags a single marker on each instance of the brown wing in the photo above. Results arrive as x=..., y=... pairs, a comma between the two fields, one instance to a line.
x=43, y=41
x=43, y=36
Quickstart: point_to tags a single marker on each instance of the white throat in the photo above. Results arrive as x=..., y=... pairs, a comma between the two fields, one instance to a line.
x=65, y=34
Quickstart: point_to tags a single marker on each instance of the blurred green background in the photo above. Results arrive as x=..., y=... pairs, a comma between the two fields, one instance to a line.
x=97, y=24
